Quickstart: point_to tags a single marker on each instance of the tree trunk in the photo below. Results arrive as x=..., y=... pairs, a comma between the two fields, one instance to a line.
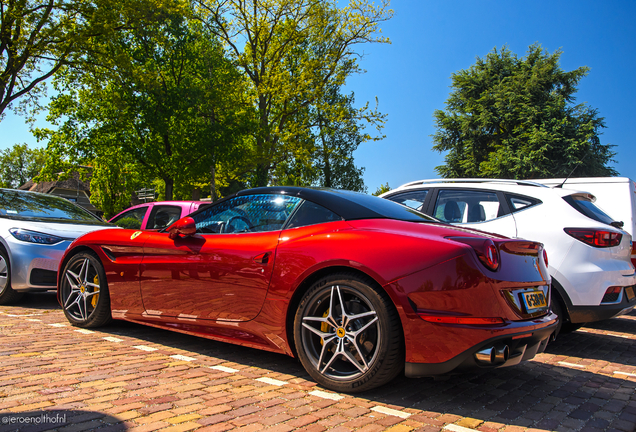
x=325, y=154
x=261, y=175
x=212, y=183
x=169, y=188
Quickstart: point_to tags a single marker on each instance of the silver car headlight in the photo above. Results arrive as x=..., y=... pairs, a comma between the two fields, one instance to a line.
x=34, y=237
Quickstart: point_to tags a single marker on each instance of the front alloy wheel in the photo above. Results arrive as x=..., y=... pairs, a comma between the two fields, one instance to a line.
x=84, y=292
x=348, y=334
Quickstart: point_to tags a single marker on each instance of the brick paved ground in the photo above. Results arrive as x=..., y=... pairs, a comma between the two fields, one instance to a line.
x=132, y=377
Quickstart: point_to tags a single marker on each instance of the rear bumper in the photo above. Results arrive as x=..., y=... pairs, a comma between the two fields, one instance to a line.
x=521, y=346
x=584, y=314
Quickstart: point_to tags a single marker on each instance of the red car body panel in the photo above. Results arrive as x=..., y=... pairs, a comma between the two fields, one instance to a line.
x=243, y=288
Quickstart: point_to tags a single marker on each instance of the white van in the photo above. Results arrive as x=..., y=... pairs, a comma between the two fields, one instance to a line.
x=616, y=196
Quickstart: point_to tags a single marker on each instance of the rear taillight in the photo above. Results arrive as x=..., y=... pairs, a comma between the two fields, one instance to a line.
x=545, y=257
x=490, y=256
x=594, y=237
x=485, y=249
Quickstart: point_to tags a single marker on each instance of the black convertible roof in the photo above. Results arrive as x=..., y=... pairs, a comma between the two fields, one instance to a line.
x=350, y=205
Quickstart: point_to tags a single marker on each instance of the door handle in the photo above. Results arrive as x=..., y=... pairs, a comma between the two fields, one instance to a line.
x=262, y=258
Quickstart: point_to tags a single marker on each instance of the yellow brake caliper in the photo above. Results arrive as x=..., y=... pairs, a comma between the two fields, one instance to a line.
x=324, y=327
x=96, y=296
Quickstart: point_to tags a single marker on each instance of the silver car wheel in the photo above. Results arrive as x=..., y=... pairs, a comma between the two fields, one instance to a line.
x=82, y=290
x=341, y=333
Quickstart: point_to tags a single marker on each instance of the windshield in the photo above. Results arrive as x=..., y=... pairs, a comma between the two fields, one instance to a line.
x=588, y=208
x=28, y=205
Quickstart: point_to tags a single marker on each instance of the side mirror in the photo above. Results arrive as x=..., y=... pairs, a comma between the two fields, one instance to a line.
x=183, y=227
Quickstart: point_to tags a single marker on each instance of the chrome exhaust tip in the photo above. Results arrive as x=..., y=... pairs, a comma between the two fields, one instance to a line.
x=502, y=352
x=485, y=355
x=493, y=355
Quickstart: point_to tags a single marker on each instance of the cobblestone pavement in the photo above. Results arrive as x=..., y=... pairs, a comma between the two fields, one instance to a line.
x=127, y=376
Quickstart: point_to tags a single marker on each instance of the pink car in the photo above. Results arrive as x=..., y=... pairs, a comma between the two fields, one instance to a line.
x=155, y=215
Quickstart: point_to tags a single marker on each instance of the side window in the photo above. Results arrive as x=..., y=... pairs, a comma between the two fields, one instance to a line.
x=311, y=214
x=132, y=219
x=519, y=202
x=466, y=206
x=251, y=213
x=414, y=200
x=163, y=216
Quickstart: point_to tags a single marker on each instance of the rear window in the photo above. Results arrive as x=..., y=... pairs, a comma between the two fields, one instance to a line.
x=587, y=208
x=382, y=207
x=518, y=202
x=310, y=214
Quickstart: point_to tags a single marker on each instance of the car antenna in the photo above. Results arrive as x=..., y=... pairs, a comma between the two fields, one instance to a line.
x=572, y=172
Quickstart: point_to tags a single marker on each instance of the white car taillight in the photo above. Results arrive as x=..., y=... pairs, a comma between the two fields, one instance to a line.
x=594, y=237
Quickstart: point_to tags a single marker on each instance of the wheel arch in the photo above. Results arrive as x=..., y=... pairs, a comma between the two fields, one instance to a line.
x=306, y=283
x=5, y=248
x=70, y=254
x=561, y=296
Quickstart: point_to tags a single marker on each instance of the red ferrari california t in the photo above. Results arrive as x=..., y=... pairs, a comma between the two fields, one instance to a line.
x=357, y=287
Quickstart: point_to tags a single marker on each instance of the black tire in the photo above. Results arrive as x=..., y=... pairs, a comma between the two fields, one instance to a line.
x=564, y=326
x=84, y=291
x=7, y=294
x=351, y=352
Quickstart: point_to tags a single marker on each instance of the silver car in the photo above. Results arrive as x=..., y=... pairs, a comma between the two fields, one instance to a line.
x=35, y=230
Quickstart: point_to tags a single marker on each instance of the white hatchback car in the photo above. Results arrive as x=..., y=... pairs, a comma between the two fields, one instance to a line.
x=589, y=256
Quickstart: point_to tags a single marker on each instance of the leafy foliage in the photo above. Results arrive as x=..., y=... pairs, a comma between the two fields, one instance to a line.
x=292, y=52
x=39, y=37
x=382, y=189
x=508, y=117
x=113, y=179
x=339, y=132
x=160, y=95
x=19, y=164
x=193, y=94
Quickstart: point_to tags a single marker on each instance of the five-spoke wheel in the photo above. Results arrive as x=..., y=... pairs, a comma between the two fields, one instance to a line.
x=348, y=335
x=84, y=291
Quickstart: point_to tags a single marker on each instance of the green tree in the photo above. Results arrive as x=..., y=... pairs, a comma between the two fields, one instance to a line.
x=338, y=135
x=112, y=181
x=292, y=52
x=382, y=189
x=160, y=95
x=510, y=117
x=39, y=37
x=19, y=164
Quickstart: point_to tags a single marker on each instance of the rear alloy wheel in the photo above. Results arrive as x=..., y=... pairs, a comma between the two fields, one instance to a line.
x=7, y=294
x=348, y=334
x=84, y=291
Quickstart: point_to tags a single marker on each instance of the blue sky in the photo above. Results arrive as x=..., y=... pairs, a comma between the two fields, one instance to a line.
x=433, y=39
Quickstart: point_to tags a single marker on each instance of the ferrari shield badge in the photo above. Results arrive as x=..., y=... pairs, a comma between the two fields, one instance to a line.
x=135, y=235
